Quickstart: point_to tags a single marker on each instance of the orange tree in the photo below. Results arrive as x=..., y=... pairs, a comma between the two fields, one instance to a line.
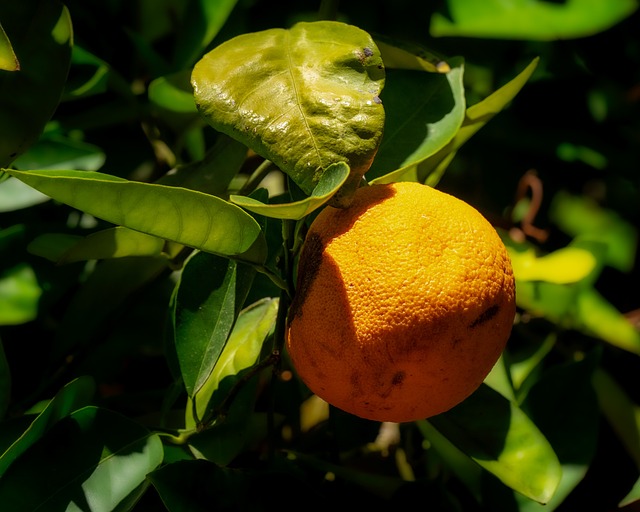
x=162, y=162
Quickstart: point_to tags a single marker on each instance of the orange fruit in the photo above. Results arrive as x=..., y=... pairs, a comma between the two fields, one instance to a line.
x=404, y=302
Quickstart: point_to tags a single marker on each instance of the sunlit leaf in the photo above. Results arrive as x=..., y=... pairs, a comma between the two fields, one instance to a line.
x=225, y=440
x=8, y=59
x=184, y=216
x=207, y=301
x=566, y=265
x=568, y=416
x=580, y=216
x=72, y=397
x=19, y=295
x=527, y=19
x=503, y=440
x=15, y=195
x=41, y=34
x=431, y=170
x=424, y=113
x=303, y=98
x=91, y=460
x=330, y=182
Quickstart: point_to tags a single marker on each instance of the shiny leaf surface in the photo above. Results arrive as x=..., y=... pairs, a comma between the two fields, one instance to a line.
x=304, y=98
x=504, y=441
x=208, y=299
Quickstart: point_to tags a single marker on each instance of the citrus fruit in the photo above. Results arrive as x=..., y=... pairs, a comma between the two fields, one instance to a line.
x=404, y=302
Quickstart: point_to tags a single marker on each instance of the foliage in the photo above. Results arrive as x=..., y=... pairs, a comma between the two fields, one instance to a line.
x=148, y=258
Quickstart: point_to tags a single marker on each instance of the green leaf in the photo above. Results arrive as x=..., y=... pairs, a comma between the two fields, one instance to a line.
x=71, y=397
x=173, y=93
x=431, y=170
x=41, y=34
x=403, y=55
x=5, y=382
x=201, y=22
x=15, y=195
x=91, y=460
x=568, y=416
x=8, y=59
x=330, y=182
x=303, y=98
x=91, y=77
x=529, y=19
x=19, y=295
x=184, y=216
x=566, y=265
x=582, y=217
x=207, y=301
x=622, y=413
x=633, y=496
x=503, y=440
x=115, y=242
x=222, y=442
x=61, y=152
x=424, y=113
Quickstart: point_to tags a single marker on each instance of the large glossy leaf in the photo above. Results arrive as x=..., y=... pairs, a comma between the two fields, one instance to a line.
x=503, y=440
x=330, y=182
x=19, y=295
x=207, y=302
x=424, y=113
x=91, y=460
x=304, y=98
x=41, y=34
x=185, y=216
x=431, y=170
x=225, y=440
x=529, y=19
x=73, y=396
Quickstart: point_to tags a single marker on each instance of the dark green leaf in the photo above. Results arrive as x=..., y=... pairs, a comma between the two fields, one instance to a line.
x=503, y=440
x=224, y=441
x=208, y=299
x=41, y=34
x=184, y=216
x=92, y=77
x=173, y=93
x=527, y=19
x=563, y=405
x=431, y=170
x=73, y=396
x=91, y=460
x=424, y=113
x=304, y=98
x=57, y=151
